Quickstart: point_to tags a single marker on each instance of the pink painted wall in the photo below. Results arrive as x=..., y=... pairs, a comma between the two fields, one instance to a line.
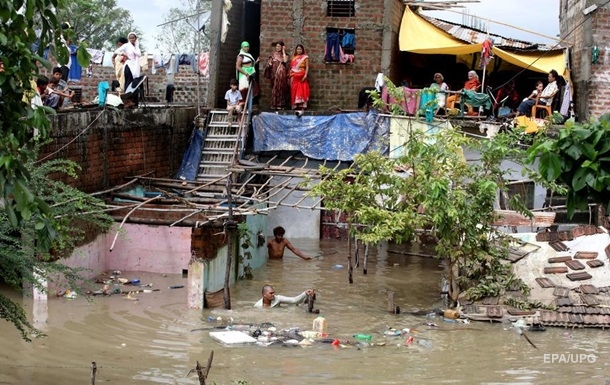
x=154, y=249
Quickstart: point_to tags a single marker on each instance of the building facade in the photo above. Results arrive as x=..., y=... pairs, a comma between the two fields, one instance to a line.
x=374, y=25
x=585, y=27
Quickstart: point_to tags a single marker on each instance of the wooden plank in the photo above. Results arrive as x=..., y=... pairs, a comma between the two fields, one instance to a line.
x=545, y=282
x=579, y=276
x=556, y=270
x=561, y=292
x=586, y=255
x=574, y=265
x=559, y=259
x=513, y=218
x=589, y=289
x=595, y=263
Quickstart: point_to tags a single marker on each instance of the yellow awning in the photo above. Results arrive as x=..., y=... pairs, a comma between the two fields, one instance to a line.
x=419, y=36
x=539, y=61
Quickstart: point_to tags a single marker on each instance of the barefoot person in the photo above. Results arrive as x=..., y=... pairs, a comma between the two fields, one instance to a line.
x=277, y=245
x=270, y=299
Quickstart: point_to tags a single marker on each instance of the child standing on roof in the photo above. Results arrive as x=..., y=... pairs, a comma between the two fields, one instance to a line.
x=234, y=101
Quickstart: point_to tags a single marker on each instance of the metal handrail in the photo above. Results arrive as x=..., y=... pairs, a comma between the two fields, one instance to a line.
x=245, y=118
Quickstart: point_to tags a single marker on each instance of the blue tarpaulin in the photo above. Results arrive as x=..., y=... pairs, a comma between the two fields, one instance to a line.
x=192, y=157
x=333, y=137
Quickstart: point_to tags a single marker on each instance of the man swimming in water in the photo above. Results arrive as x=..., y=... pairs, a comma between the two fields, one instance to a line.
x=276, y=246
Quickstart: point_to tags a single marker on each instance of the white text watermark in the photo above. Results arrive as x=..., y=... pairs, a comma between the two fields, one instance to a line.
x=569, y=358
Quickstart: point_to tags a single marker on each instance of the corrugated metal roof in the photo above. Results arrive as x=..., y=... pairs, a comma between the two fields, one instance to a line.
x=474, y=36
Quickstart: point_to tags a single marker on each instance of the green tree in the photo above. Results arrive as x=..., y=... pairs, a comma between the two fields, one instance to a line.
x=180, y=34
x=438, y=192
x=28, y=213
x=578, y=157
x=99, y=22
x=20, y=259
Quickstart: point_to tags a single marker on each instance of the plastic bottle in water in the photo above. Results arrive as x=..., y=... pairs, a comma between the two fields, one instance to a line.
x=320, y=325
x=363, y=337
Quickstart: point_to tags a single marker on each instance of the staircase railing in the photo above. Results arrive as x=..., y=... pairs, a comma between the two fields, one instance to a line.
x=242, y=130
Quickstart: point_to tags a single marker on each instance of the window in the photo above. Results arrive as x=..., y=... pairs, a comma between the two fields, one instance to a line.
x=340, y=45
x=340, y=8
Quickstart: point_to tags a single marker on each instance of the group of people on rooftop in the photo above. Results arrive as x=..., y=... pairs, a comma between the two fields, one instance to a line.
x=287, y=75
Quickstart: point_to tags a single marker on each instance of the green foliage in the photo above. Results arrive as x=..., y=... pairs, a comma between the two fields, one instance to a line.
x=245, y=237
x=181, y=35
x=439, y=191
x=71, y=210
x=579, y=158
x=526, y=305
x=98, y=22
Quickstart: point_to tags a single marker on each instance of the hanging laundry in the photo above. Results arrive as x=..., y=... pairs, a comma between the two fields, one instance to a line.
x=97, y=56
x=331, y=53
x=348, y=41
x=76, y=71
x=204, y=64
x=161, y=61
x=486, y=53
x=185, y=59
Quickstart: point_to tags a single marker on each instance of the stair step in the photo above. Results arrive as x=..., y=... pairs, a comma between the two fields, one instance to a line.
x=207, y=151
x=229, y=138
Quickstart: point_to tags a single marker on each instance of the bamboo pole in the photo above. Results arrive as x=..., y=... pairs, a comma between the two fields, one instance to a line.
x=366, y=259
x=127, y=216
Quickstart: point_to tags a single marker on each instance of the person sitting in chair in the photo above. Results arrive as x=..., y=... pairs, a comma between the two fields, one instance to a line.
x=545, y=97
x=473, y=83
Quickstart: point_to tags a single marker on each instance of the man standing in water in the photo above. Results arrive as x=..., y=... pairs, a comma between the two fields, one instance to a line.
x=276, y=246
x=271, y=300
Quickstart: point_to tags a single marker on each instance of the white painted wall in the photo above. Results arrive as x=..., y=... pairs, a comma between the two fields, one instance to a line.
x=299, y=223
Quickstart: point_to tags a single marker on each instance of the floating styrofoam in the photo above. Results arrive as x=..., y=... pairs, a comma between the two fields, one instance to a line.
x=232, y=337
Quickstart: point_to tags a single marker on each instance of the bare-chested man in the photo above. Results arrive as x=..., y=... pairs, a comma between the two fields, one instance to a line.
x=276, y=246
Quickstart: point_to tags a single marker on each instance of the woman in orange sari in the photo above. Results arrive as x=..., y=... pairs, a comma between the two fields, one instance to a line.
x=299, y=86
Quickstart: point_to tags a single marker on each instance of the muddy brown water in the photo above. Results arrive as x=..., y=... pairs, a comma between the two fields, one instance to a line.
x=155, y=340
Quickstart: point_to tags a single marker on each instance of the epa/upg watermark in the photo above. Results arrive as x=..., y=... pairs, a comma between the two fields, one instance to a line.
x=569, y=358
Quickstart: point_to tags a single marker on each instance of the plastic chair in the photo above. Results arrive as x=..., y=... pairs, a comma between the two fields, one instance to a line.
x=548, y=108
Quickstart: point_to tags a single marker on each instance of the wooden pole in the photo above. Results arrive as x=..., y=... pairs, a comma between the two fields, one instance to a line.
x=202, y=372
x=366, y=259
x=356, y=254
x=229, y=233
x=350, y=268
x=93, y=371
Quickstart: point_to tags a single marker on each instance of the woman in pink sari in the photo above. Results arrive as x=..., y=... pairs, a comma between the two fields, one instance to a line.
x=277, y=72
x=299, y=86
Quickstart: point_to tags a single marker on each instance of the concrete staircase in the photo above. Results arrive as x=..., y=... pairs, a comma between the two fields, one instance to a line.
x=220, y=144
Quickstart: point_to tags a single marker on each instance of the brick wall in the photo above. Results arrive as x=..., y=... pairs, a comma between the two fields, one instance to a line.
x=111, y=145
x=305, y=22
x=185, y=82
x=591, y=81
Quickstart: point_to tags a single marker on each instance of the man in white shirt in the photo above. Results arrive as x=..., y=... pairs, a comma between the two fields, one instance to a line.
x=270, y=299
x=546, y=97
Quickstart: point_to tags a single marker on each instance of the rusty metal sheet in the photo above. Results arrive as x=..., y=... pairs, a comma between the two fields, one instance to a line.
x=574, y=265
x=588, y=289
x=559, y=246
x=561, y=292
x=595, y=263
x=545, y=282
x=579, y=276
x=495, y=312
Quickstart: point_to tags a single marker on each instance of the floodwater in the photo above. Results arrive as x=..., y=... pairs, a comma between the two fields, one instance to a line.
x=153, y=340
